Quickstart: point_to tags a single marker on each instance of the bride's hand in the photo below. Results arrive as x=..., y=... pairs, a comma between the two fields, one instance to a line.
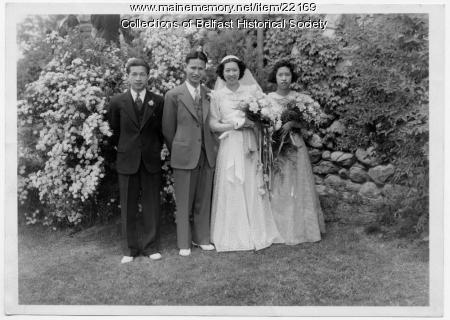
x=248, y=123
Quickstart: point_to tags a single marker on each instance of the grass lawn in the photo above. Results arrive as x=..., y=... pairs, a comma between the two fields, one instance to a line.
x=347, y=268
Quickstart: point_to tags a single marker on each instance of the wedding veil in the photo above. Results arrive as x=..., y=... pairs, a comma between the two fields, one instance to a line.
x=246, y=80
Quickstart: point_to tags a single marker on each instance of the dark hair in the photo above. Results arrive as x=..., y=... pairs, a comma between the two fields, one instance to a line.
x=240, y=64
x=196, y=55
x=278, y=65
x=137, y=62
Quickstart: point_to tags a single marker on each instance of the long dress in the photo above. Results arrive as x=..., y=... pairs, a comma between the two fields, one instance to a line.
x=241, y=218
x=295, y=203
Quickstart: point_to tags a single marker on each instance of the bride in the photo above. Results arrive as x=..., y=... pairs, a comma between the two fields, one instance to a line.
x=241, y=217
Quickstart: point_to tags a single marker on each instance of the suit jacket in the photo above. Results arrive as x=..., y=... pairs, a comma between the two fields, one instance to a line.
x=183, y=131
x=137, y=140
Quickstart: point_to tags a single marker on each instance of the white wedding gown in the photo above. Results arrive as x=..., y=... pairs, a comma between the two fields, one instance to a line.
x=241, y=217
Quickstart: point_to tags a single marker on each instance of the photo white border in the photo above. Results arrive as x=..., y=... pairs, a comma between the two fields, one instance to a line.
x=14, y=10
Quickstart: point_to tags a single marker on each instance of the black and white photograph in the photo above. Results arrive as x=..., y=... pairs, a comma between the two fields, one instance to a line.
x=224, y=159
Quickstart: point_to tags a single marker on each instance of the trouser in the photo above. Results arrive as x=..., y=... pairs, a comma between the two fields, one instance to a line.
x=193, y=193
x=148, y=185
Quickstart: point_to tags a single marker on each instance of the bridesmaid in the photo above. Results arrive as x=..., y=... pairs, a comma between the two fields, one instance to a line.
x=295, y=203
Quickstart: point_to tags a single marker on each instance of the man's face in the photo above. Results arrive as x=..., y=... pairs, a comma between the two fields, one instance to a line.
x=137, y=78
x=195, y=71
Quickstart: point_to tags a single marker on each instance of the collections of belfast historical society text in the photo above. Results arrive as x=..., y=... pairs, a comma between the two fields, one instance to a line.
x=306, y=23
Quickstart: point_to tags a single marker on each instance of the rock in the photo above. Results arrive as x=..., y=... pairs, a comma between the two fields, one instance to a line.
x=393, y=191
x=315, y=141
x=325, y=167
x=327, y=120
x=343, y=173
x=342, y=158
x=346, y=195
x=318, y=180
x=336, y=127
x=334, y=181
x=359, y=165
x=370, y=190
x=326, y=155
x=335, y=155
x=351, y=186
x=321, y=189
x=358, y=175
x=380, y=174
x=329, y=144
x=368, y=157
x=315, y=155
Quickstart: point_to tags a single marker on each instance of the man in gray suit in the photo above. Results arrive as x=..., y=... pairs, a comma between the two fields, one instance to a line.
x=193, y=150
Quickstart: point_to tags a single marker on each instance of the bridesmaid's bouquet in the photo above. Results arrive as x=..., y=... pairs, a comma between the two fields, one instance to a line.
x=305, y=110
x=267, y=116
x=302, y=112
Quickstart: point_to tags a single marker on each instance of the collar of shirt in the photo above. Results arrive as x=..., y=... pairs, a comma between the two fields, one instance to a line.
x=141, y=94
x=191, y=89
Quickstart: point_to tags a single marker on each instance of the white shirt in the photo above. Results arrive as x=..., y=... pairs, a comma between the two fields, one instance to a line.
x=191, y=89
x=141, y=95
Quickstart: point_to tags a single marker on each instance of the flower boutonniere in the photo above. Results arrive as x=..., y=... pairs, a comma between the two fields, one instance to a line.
x=151, y=103
x=209, y=95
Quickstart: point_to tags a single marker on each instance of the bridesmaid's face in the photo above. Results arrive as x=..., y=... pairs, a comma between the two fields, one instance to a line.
x=284, y=78
x=231, y=72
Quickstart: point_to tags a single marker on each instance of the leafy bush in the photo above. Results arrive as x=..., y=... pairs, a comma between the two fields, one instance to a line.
x=389, y=55
x=318, y=61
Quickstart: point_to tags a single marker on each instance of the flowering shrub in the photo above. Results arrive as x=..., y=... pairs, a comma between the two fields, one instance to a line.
x=165, y=51
x=64, y=110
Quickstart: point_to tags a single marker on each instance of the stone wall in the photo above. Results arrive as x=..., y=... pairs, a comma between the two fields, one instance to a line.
x=347, y=174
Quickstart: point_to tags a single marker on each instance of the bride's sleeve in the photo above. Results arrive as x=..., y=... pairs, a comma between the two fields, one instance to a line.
x=214, y=119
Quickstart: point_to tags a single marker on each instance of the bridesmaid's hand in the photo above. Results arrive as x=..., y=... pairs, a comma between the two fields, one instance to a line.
x=287, y=127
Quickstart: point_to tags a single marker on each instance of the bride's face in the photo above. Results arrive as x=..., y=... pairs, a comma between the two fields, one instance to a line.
x=284, y=78
x=231, y=72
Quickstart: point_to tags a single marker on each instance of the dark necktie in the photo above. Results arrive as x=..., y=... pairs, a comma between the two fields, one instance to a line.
x=198, y=104
x=138, y=102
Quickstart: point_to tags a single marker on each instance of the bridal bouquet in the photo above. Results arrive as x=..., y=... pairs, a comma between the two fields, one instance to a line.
x=267, y=117
x=262, y=111
x=300, y=113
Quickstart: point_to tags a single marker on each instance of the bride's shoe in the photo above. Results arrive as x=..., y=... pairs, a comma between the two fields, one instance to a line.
x=126, y=259
x=205, y=247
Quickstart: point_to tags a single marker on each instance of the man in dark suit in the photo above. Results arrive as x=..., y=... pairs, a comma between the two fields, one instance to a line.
x=193, y=150
x=135, y=118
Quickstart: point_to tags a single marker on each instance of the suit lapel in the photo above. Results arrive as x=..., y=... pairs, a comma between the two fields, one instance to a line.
x=129, y=109
x=187, y=100
x=148, y=109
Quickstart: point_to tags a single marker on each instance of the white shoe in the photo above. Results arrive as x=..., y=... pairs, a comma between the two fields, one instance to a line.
x=126, y=259
x=185, y=252
x=155, y=256
x=206, y=247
